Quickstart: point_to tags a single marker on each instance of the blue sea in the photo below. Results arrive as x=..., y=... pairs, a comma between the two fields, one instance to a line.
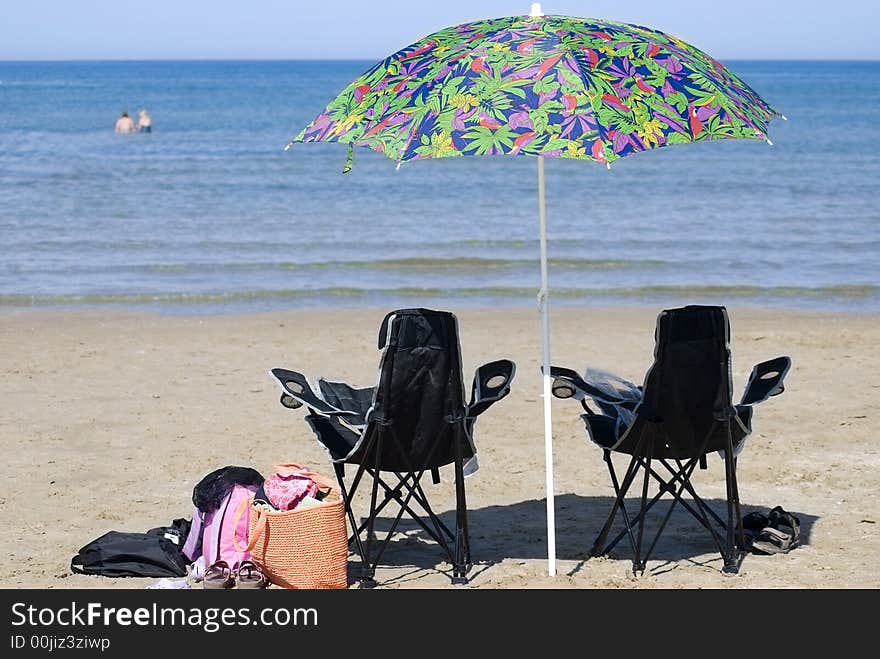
x=208, y=214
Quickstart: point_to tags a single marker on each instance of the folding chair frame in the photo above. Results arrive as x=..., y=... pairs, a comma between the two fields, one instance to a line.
x=370, y=549
x=731, y=546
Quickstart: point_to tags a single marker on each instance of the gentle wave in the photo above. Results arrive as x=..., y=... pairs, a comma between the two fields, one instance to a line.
x=740, y=292
x=53, y=244
x=451, y=264
x=412, y=263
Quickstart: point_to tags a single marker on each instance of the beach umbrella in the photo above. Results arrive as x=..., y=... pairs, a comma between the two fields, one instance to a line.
x=544, y=86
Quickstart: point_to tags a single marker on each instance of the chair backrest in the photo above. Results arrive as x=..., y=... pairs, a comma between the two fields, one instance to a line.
x=419, y=400
x=687, y=390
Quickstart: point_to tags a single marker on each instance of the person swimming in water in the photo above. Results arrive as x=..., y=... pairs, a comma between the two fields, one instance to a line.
x=145, y=124
x=124, y=125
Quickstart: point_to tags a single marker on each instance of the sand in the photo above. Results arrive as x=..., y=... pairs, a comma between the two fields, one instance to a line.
x=108, y=419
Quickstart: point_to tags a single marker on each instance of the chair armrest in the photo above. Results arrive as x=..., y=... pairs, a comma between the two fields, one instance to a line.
x=296, y=391
x=568, y=384
x=491, y=384
x=766, y=380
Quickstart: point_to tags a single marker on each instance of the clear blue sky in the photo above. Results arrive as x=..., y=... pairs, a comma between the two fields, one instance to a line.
x=347, y=29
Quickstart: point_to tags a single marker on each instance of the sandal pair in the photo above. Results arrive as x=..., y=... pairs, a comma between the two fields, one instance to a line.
x=775, y=533
x=249, y=575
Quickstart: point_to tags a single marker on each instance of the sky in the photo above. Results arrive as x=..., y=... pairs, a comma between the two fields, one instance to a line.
x=348, y=29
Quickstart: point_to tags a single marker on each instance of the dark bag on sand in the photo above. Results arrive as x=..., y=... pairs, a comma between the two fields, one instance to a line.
x=210, y=492
x=156, y=553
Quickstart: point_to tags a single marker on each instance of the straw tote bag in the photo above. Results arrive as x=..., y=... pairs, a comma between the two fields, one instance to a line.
x=306, y=547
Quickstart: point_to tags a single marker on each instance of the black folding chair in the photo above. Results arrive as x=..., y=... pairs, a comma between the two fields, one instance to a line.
x=682, y=412
x=414, y=420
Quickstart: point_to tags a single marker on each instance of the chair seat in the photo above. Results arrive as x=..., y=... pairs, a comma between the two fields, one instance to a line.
x=602, y=429
x=343, y=396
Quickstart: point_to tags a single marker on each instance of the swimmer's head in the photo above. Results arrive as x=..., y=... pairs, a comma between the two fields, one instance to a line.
x=125, y=114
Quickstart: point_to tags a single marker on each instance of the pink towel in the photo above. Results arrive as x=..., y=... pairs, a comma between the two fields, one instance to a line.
x=286, y=490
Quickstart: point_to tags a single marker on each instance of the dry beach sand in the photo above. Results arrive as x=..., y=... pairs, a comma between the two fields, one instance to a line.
x=108, y=419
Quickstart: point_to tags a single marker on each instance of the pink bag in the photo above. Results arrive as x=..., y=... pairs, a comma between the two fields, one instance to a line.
x=221, y=527
x=289, y=485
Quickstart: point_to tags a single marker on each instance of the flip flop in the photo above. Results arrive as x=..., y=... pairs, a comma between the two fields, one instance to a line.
x=250, y=575
x=218, y=575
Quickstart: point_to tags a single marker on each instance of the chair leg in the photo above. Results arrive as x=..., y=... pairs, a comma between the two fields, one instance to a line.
x=620, y=490
x=355, y=537
x=734, y=545
x=729, y=555
x=740, y=531
x=363, y=549
x=598, y=548
x=462, y=561
x=638, y=562
x=368, y=567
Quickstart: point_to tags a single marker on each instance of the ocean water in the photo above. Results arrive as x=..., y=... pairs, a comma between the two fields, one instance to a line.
x=209, y=214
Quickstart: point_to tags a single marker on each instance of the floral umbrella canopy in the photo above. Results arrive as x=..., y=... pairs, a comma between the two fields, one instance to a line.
x=553, y=86
x=541, y=86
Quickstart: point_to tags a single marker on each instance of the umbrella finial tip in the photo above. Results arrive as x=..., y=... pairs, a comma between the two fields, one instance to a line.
x=784, y=118
x=769, y=142
x=536, y=11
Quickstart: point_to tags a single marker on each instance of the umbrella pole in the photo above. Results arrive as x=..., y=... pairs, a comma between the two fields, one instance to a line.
x=545, y=335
